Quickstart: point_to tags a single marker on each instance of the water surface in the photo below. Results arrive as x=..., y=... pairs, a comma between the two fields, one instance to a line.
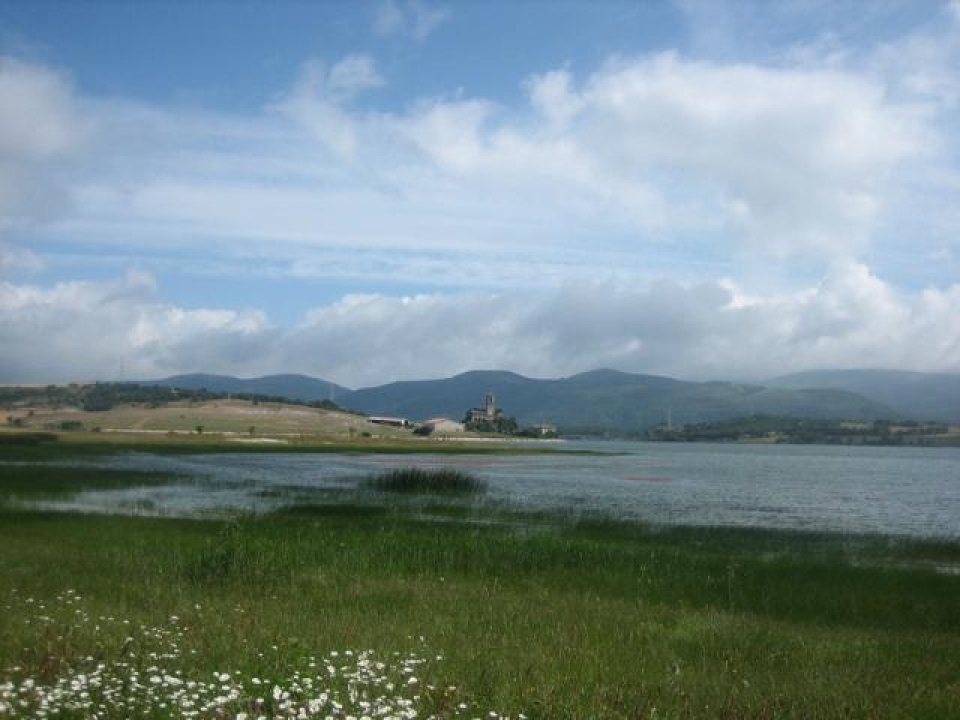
x=903, y=491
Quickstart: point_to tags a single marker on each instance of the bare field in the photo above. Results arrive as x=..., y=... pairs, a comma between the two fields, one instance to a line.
x=226, y=417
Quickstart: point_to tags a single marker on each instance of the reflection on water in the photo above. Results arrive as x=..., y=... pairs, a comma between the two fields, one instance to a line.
x=910, y=491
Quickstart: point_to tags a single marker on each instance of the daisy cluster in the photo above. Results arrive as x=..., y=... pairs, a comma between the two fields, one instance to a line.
x=81, y=667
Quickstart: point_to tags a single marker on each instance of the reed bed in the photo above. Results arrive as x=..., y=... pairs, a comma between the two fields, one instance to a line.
x=427, y=481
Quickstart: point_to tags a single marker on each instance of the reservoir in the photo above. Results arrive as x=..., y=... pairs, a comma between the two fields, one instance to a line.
x=894, y=491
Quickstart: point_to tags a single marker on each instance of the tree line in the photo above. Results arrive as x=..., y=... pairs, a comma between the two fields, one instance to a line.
x=102, y=396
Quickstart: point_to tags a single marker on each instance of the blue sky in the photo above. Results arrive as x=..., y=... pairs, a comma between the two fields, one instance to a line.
x=377, y=191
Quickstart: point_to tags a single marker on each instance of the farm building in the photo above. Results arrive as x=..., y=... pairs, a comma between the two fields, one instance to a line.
x=391, y=421
x=444, y=425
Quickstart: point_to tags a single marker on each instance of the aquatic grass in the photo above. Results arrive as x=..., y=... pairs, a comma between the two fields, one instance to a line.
x=28, y=439
x=24, y=481
x=333, y=509
x=54, y=445
x=427, y=481
x=556, y=617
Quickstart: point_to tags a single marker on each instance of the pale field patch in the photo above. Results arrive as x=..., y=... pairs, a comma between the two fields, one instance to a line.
x=240, y=417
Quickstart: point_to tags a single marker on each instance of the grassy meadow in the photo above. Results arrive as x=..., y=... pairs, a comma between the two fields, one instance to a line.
x=461, y=611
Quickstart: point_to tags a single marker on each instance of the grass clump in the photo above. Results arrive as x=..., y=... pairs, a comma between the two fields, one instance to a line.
x=428, y=481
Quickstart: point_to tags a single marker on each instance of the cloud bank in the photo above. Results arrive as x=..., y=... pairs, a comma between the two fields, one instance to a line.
x=121, y=329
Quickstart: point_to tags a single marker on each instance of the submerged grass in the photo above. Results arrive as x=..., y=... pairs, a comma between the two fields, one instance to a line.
x=50, y=445
x=542, y=615
x=24, y=481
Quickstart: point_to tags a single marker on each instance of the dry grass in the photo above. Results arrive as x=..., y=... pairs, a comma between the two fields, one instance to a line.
x=237, y=417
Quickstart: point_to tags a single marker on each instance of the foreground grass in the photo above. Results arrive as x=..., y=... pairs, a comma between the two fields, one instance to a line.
x=539, y=615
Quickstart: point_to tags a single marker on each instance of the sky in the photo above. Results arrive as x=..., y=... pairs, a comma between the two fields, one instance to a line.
x=376, y=191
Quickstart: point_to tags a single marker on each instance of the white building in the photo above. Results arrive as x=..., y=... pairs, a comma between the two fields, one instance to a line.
x=444, y=425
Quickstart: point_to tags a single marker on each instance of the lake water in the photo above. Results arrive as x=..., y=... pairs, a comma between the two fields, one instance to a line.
x=901, y=491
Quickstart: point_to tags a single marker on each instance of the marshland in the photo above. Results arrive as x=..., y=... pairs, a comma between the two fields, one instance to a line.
x=412, y=586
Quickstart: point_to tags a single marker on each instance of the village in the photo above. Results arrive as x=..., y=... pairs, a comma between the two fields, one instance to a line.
x=488, y=418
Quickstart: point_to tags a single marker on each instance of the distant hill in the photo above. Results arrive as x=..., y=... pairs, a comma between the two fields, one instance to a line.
x=294, y=387
x=608, y=400
x=595, y=401
x=914, y=395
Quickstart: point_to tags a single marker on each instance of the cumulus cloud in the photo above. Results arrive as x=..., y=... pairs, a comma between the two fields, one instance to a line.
x=109, y=330
x=706, y=330
x=786, y=162
x=797, y=158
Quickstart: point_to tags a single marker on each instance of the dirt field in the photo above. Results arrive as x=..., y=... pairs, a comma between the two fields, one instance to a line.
x=228, y=417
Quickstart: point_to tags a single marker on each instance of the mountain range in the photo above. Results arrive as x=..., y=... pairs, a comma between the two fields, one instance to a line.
x=916, y=395
x=610, y=400
x=292, y=387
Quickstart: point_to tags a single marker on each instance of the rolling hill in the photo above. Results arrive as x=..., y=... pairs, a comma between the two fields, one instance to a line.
x=293, y=387
x=914, y=395
x=608, y=400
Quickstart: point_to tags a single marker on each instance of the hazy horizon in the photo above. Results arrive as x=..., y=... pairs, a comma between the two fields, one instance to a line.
x=743, y=381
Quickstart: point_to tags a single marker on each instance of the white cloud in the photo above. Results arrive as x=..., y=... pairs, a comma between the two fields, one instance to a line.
x=922, y=63
x=635, y=159
x=41, y=128
x=109, y=330
x=318, y=98
x=798, y=159
x=788, y=163
x=551, y=95
x=706, y=330
x=39, y=119
x=413, y=17
x=452, y=133
x=354, y=73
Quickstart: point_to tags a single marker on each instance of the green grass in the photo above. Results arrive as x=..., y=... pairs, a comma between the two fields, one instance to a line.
x=42, y=481
x=539, y=614
x=49, y=446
